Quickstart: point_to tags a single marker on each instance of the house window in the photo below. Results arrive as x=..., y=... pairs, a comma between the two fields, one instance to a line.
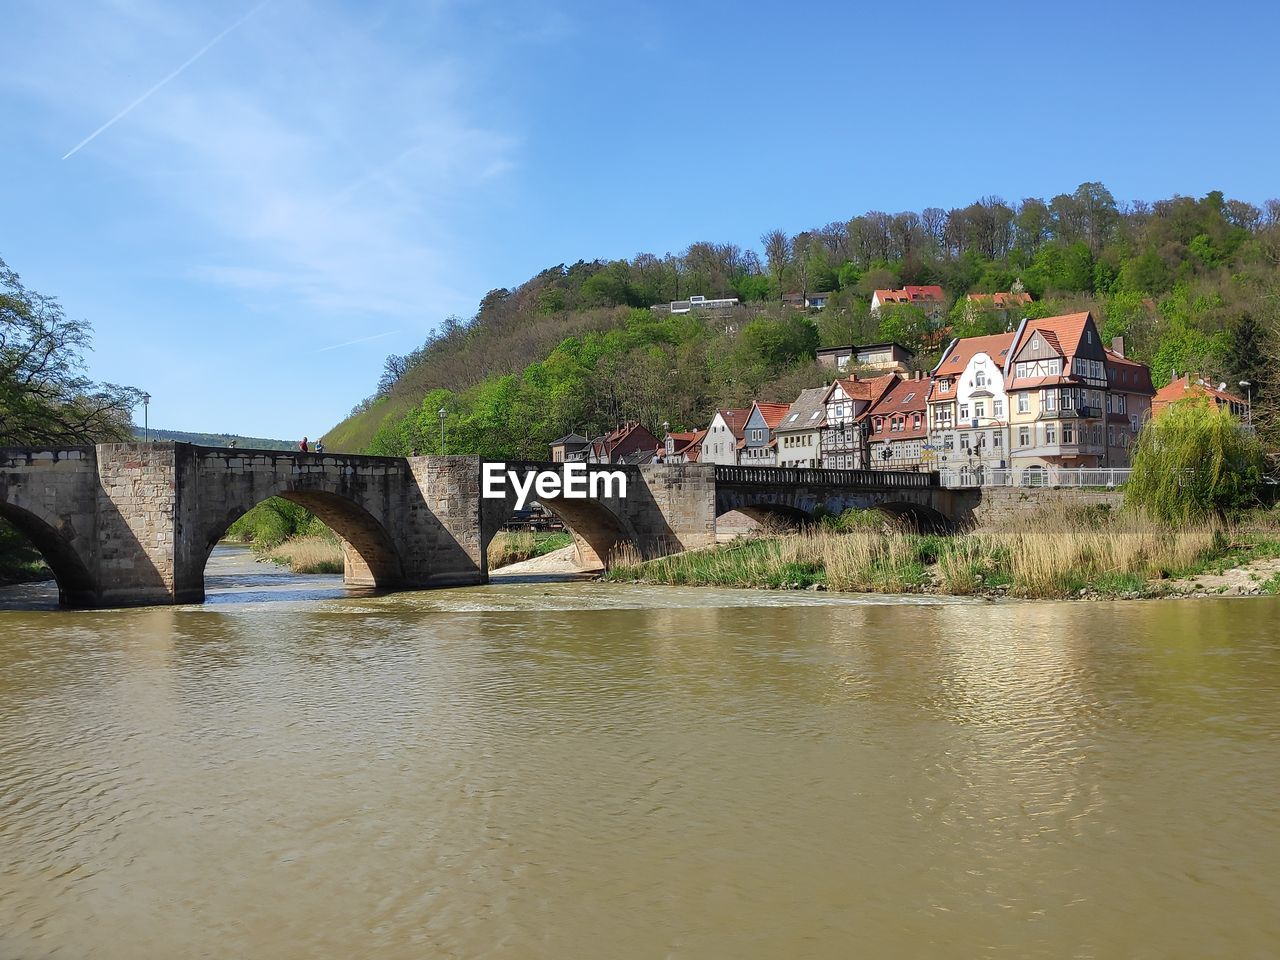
x=997, y=439
x=948, y=442
x=1068, y=432
x=964, y=441
x=1050, y=433
x=915, y=421
x=1133, y=423
x=997, y=408
x=979, y=408
x=1049, y=400
x=1024, y=404
x=944, y=386
x=1024, y=437
x=980, y=378
x=964, y=411
x=1120, y=403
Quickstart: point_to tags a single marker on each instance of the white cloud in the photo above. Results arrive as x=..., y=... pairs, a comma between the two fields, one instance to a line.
x=326, y=155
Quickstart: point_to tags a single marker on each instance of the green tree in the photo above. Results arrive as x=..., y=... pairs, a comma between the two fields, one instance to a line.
x=904, y=323
x=1193, y=461
x=45, y=396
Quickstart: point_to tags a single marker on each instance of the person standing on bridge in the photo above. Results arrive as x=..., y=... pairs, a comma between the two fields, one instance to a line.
x=303, y=445
x=319, y=446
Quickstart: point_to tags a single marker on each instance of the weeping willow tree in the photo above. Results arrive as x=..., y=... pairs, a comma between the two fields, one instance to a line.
x=1193, y=461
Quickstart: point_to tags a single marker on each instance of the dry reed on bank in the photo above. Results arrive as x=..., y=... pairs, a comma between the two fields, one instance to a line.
x=1045, y=553
x=313, y=554
x=511, y=546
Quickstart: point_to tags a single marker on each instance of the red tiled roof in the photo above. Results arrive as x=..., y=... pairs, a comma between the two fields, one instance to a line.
x=1063, y=333
x=906, y=399
x=957, y=357
x=772, y=412
x=1184, y=388
x=912, y=294
x=687, y=442
x=621, y=433
x=1138, y=379
x=870, y=390
x=735, y=418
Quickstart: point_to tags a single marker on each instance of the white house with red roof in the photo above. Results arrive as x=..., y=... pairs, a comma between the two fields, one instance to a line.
x=929, y=297
x=724, y=436
x=969, y=408
x=681, y=446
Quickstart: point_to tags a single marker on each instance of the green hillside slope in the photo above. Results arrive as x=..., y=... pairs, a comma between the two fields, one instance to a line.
x=1191, y=284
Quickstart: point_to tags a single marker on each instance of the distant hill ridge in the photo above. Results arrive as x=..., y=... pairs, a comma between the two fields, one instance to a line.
x=218, y=439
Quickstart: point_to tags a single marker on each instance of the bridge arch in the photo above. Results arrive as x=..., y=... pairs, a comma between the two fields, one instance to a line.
x=596, y=529
x=922, y=517
x=370, y=557
x=76, y=585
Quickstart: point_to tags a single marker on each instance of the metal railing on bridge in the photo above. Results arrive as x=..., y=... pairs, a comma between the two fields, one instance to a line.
x=813, y=476
x=1109, y=477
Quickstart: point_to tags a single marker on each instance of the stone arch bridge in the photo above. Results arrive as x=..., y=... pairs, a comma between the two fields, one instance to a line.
x=134, y=523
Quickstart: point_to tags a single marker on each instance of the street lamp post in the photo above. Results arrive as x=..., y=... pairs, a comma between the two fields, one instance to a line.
x=442, y=412
x=146, y=419
x=1248, y=386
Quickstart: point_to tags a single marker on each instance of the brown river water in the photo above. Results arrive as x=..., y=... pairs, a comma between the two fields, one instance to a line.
x=581, y=770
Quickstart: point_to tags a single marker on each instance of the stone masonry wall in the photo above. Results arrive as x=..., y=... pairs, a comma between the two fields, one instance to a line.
x=995, y=501
x=51, y=497
x=677, y=508
x=443, y=529
x=137, y=496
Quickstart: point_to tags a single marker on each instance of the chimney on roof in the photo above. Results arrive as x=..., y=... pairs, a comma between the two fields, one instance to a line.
x=1117, y=346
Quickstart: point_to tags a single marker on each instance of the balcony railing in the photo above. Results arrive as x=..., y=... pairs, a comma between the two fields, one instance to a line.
x=1108, y=477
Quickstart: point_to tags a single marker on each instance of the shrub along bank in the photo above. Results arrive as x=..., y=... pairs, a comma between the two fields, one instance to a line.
x=1051, y=554
x=290, y=535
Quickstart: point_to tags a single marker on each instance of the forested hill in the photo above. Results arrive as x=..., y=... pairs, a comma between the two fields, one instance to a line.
x=217, y=439
x=1192, y=284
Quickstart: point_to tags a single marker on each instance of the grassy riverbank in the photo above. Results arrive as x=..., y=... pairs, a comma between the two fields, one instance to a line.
x=1050, y=554
x=20, y=562
x=514, y=546
x=289, y=535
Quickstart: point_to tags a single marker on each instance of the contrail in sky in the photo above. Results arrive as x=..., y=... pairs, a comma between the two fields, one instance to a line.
x=193, y=58
x=352, y=343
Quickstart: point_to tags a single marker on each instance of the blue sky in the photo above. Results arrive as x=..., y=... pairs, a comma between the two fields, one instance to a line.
x=256, y=228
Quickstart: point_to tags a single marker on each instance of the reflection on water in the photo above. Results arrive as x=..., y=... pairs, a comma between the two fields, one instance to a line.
x=586, y=770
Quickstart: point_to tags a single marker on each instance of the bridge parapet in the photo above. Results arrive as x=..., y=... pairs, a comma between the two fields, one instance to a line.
x=822, y=477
